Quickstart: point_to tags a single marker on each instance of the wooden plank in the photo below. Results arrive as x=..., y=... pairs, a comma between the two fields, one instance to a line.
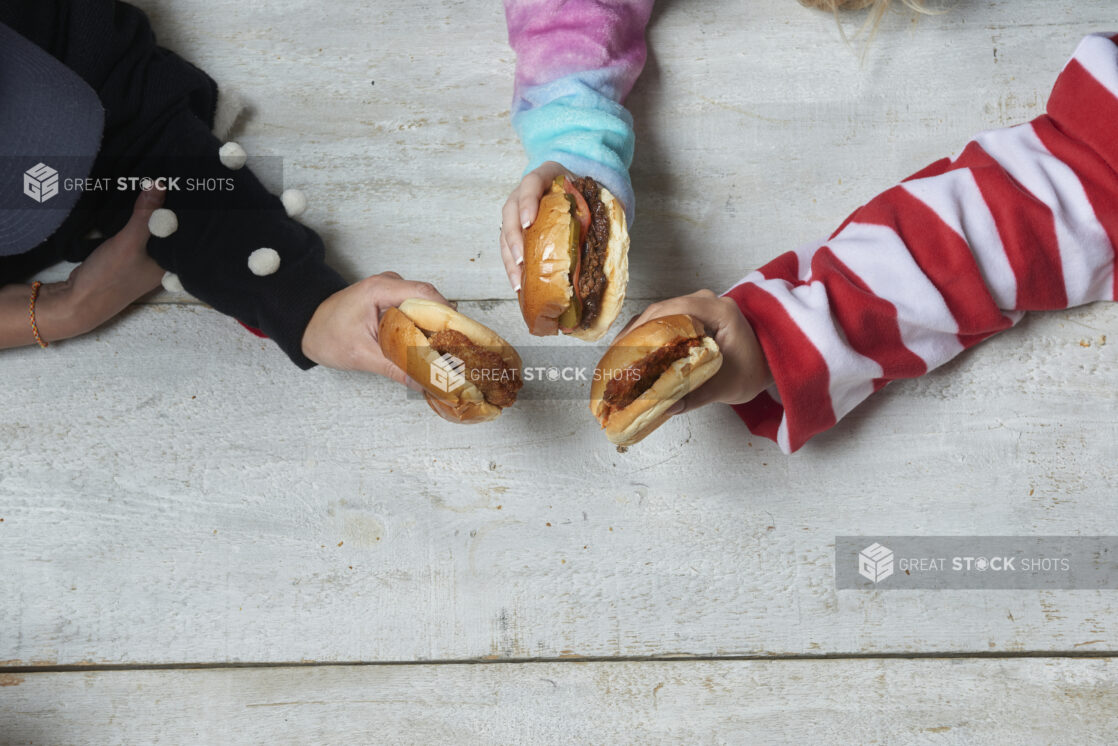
x=173, y=490
x=758, y=127
x=823, y=701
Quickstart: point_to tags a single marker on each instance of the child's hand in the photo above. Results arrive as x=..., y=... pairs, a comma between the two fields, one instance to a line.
x=342, y=334
x=744, y=372
x=118, y=272
x=519, y=212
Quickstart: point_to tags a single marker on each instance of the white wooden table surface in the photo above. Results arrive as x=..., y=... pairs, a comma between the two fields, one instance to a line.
x=200, y=543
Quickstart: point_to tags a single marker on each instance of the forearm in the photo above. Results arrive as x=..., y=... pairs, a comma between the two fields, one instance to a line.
x=576, y=63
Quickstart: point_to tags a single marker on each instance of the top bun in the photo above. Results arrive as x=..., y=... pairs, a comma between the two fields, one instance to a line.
x=403, y=338
x=546, y=288
x=434, y=317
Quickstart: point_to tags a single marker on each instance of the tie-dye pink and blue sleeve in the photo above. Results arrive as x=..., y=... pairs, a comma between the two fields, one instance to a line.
x=576, y=60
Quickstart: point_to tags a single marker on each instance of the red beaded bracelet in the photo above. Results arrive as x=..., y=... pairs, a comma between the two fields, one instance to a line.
x=31, y=312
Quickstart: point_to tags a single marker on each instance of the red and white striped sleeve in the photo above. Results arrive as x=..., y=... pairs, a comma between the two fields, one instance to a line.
x=1024, y=219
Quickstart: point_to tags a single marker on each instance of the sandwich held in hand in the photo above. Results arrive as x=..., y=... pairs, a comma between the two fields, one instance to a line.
x=647, y=370
x=576, y=261
x=468, y=372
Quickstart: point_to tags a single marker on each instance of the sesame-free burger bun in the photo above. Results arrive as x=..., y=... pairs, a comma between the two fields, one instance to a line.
x=404, y=333
x=632, y=423
x=546, y=288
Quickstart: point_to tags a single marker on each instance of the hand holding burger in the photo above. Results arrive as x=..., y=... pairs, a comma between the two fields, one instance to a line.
x=711, y=352
x=343, y=332
x=574, y=266
x=519, y=212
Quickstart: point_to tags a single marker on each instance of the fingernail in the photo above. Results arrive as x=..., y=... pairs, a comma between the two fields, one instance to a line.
x=520, y=262
x=517, y=288
x=524, y=221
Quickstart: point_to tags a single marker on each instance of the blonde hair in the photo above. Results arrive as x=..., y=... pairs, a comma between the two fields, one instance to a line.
x=877, y=10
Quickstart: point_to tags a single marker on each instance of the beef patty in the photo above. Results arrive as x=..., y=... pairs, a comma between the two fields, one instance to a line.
x=497, y=381
x=624, y=388
x=592, y=279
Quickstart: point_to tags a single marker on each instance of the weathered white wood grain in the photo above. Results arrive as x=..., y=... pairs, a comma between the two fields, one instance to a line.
x=173, y=490
x=746, y=702
x=758, y=127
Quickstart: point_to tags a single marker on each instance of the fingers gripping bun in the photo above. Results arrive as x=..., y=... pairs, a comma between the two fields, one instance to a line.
x=403, y=338
x=647, y=412
x=546, y=288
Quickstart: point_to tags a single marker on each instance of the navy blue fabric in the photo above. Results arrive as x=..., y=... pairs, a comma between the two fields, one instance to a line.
x=50, y=130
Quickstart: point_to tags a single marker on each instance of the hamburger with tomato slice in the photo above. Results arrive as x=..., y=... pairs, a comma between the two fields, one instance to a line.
x=576, y=263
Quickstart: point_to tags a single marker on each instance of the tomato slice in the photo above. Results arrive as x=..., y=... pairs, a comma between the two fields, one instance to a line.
x=583, y=209
x=582, y=212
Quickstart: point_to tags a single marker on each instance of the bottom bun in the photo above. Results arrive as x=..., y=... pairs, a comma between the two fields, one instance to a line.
x=463, y=412
x=649, y=411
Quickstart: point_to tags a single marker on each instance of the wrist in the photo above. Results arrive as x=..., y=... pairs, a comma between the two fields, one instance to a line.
x=307, y=344
x=312, y=343
x=761, y=376
x=56, y=311
x=746, y=355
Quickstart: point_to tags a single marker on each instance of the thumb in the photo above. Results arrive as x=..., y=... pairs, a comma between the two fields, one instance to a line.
x=393, y=372
x=148, y=202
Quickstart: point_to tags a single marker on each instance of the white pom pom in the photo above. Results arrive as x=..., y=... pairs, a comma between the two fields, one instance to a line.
x=172, y=283
x=232, y=155
x=294, y=202
x=163, y=222
x=263, y=262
